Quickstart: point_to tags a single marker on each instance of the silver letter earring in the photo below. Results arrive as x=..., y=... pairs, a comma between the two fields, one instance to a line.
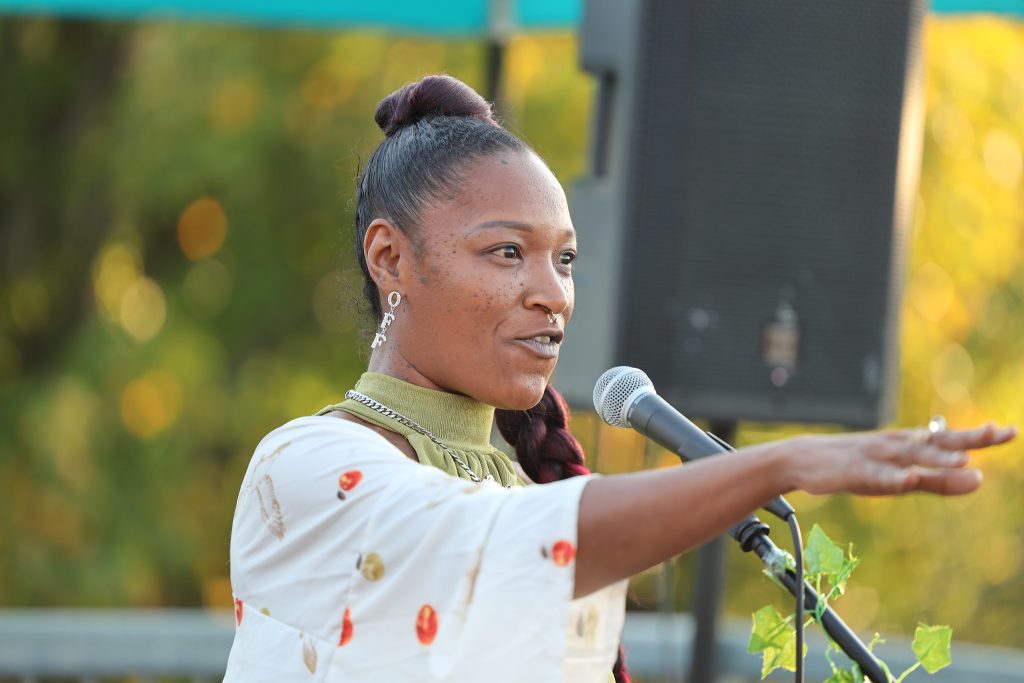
x=394, y=298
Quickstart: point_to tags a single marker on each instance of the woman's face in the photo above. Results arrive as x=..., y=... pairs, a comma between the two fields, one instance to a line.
x=486, y=268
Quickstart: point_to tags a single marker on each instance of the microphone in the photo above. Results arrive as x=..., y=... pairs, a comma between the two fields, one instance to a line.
x=625, y=397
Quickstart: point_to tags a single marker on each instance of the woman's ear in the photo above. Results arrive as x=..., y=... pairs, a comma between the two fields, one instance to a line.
x=384, y=246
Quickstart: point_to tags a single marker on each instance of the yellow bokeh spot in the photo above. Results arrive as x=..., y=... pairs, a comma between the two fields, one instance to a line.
x=411, y=59
x=619, y=450
x=1015, y=71
x=966, y=210
x=952, y=130
x=304, y=390
x=859, y=606
x=1001, y=561
x=330, y=83
x=1002, y=157
x=150, y=403
x=202, y=228
x=234, y=104
x=525, y=63
x=217, y=593
x=143, y=309
x=113, y=272
x=931, y=292
x=80, y=410
x=953, y=373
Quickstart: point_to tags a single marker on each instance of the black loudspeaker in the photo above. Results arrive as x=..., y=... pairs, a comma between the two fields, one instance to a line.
x=753, y=170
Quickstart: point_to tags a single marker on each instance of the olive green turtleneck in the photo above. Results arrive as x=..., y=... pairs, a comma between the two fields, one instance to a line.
x=463, y=424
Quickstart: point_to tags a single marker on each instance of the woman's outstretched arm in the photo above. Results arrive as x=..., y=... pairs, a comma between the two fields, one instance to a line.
x=630, y=522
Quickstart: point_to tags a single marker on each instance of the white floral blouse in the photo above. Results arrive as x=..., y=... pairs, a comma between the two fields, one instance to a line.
x=352, y=563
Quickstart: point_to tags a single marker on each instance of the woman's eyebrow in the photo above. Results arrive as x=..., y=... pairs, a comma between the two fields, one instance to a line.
x=569, y=233
x=514, y=225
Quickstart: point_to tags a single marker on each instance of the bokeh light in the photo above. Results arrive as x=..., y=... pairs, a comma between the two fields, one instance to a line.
x=931, y=291
x=114, y=271
x=952, y=130
x=1001, y=153
x=143, y=309
x=202, y=228
x=953, y=373
x=234, y=104
x=151, y=403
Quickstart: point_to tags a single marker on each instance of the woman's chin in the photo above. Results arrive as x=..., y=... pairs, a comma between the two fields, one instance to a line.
x=522, y=396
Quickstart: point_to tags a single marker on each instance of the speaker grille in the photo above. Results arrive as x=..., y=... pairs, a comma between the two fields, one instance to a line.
x=762, y=193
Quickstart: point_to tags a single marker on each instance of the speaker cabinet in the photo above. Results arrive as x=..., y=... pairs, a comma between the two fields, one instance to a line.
x=753, y=171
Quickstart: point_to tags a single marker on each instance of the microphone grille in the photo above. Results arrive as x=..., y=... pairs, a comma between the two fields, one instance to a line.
x=614, y=388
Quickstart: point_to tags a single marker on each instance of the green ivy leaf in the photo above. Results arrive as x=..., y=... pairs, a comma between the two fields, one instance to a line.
x=841, y=676
x=775, y=639
x=931, y=646
x=824, y=558
x=822, y=555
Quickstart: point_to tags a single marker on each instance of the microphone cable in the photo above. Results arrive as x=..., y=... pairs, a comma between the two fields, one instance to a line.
x=798, y=552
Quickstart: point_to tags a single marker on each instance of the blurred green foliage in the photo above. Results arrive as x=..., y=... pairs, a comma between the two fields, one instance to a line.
x=176, y=279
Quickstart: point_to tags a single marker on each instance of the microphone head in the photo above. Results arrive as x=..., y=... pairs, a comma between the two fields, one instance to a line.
x=616, y=391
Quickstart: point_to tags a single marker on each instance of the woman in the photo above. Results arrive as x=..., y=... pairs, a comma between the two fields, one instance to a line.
x=386, y=540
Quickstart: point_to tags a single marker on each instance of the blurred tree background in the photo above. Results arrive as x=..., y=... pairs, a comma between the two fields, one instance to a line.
x=177, y=278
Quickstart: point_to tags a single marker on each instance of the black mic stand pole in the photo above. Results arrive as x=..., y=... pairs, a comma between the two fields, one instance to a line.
x=707, y=592
x=752, y=535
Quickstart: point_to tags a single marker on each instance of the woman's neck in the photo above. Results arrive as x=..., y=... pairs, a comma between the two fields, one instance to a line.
x=391, y=362
x=452, y=418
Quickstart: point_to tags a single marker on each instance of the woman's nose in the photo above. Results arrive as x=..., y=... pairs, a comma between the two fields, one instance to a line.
x=548, y=289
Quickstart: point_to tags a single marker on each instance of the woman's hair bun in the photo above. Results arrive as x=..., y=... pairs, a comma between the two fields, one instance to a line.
x=438, y=95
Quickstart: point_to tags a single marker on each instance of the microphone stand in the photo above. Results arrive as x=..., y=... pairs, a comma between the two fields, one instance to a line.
x=752, y=535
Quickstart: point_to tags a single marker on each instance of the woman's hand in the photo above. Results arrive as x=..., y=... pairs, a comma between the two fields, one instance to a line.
x=629, y=522
x=891, y=461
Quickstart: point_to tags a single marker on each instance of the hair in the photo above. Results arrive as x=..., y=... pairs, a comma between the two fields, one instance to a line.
x=433, y=129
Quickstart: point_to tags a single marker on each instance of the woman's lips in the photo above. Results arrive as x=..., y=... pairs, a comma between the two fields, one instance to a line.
x=542, y=345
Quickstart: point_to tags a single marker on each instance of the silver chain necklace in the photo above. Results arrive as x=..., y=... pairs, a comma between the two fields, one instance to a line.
x=416, y=427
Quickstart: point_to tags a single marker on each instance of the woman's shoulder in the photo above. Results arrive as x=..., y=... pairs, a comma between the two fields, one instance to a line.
x=313, y=438
x=329, y=429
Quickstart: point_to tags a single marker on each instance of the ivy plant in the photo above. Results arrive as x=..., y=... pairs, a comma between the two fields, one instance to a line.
x=828, y=568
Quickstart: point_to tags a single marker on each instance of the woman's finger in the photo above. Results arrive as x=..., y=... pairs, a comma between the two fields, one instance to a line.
x=945, y=482
x=915, y=449
x=961, y=439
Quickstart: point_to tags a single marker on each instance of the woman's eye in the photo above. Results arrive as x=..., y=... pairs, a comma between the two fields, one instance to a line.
x=509, y=251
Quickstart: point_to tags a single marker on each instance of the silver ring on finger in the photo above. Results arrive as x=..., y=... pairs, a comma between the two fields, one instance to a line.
x=935, y=425
x=919, y=436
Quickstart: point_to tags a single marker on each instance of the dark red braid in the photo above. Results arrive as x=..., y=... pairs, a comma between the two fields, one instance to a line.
x=545, y=448
x=547, y=451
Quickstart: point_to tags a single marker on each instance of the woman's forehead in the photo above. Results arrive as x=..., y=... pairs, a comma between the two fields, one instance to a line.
x=508, y=190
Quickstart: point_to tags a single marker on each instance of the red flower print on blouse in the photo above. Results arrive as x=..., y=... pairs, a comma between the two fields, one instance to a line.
x=238, y=611
x=346, y=628
x=348, y=481
x=562, y=552
x=426, y=625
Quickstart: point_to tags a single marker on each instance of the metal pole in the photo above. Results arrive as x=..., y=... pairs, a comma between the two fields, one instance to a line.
x=500, y=26
x=494, y=65
x=707, y=594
